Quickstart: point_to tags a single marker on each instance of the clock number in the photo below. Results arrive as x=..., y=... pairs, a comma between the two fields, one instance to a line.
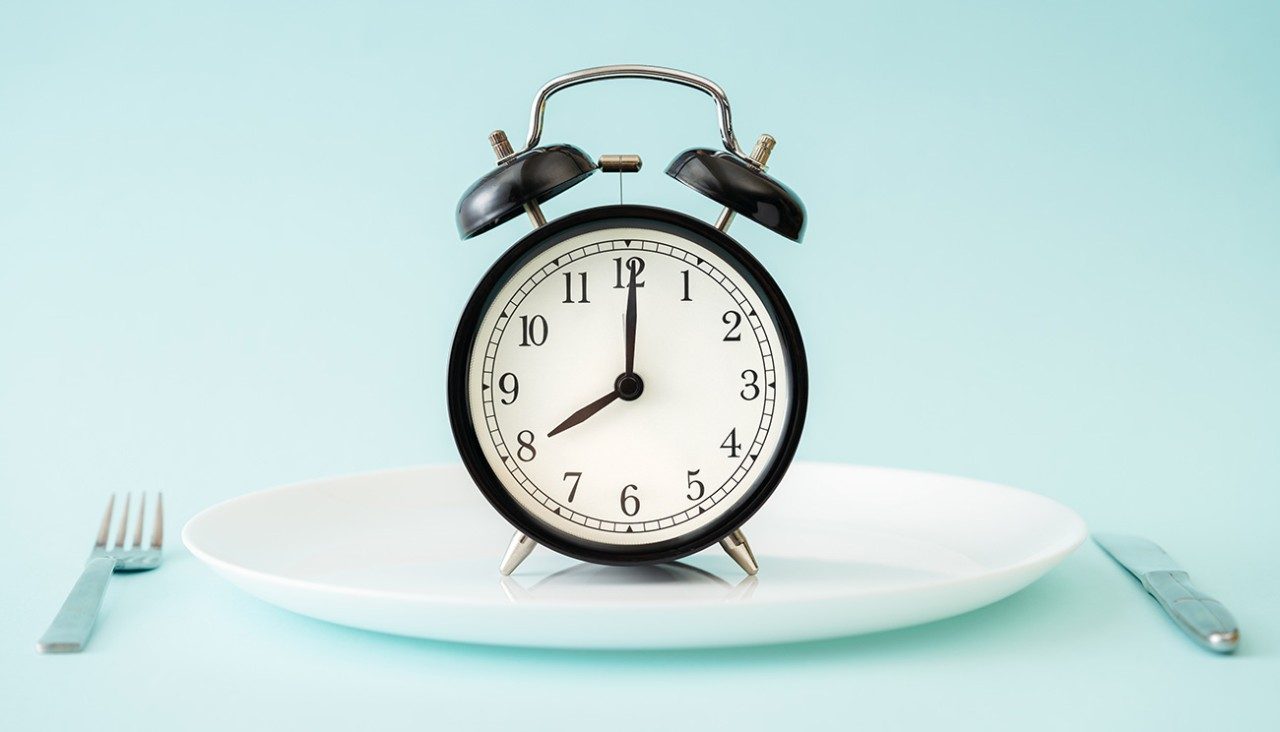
x=752, y=388
x=733, y=319
x=696, y=489
x=635, y=266
x=630, y=503
x=533, y=331
x=525, y=438
x=568, y=288
x=731, y=443
x=510, y=385
x=686, y=297
x=577, y=477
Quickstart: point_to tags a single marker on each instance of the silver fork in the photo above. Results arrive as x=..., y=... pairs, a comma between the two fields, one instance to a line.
x=70, y=629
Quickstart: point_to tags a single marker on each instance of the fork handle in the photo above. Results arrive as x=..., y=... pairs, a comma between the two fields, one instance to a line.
x=70, y=629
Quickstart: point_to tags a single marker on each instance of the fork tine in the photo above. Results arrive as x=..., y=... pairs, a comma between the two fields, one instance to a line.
x=124, y=522
x=142, y=512
x=105, y=529
x=157, y=529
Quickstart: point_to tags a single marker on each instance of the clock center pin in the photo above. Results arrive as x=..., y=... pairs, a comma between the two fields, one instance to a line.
x=629, y=386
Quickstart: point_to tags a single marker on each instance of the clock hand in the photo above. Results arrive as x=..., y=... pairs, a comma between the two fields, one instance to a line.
x=631, y=323
x=628, y=385
x=581, y=415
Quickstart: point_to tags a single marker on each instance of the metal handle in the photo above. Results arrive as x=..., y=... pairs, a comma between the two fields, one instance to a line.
x=1199, y=615
x=631, y=71
x=70, y=629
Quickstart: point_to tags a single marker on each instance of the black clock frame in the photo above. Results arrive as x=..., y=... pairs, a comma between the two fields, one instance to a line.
x=465, y=435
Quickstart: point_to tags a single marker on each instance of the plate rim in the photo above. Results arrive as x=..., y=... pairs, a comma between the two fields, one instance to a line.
x=1049, y=556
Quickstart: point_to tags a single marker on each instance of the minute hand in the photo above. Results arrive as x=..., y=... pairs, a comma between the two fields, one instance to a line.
x=631, y=323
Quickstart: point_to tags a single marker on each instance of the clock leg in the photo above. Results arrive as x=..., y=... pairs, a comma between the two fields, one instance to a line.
x=736, y=546
x=519, y=548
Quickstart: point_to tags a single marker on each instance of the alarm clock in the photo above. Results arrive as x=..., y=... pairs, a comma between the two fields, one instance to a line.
x=627, y=384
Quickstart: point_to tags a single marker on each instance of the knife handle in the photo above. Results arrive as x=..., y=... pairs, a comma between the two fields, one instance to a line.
x=1200, y=616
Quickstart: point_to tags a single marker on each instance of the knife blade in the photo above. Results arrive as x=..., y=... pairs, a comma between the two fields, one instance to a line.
x=1203, y=618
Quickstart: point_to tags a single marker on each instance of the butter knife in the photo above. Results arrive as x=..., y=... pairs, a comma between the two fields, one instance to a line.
x=1203, y=618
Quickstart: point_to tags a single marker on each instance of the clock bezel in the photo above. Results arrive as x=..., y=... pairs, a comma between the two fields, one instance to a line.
x=467, y=438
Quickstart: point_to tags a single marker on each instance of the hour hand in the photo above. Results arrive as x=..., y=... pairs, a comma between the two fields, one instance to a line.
x=581, y=415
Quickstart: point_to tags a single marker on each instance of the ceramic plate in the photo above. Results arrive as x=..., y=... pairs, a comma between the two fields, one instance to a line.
x=842, y=550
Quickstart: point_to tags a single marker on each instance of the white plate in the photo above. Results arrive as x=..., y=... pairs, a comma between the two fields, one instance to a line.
x=842, y=550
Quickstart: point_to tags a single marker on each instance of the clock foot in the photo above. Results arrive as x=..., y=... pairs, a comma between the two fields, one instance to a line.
x=517, y=551
x=736, y=546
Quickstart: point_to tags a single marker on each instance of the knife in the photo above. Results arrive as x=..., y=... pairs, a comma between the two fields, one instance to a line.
x=1203, y=618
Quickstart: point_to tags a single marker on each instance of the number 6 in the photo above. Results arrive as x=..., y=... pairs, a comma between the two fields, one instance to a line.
x=630, y=503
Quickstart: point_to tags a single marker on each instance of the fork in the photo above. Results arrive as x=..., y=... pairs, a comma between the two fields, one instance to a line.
x=70, y=629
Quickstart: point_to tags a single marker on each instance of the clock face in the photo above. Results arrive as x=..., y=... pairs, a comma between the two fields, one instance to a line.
x=628, y=385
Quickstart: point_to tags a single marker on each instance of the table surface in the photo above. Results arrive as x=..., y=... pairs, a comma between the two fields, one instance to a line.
x=1081, y=645
x=1043, y=251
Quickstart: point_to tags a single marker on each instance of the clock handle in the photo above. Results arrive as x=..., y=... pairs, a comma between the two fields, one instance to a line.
x=632, y=71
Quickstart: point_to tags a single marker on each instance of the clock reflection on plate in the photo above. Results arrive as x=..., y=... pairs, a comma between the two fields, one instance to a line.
x=628, y=584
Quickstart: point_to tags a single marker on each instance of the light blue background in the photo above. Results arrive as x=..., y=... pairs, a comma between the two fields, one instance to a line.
x=1044, y=250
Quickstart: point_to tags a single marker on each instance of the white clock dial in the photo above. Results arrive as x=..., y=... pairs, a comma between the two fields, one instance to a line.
x=593, y=452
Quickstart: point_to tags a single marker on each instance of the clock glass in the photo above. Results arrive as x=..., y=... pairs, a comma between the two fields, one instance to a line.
x=629, y=384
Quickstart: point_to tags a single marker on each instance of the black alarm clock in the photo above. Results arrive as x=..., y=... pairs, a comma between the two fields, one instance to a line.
x=627, y=384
